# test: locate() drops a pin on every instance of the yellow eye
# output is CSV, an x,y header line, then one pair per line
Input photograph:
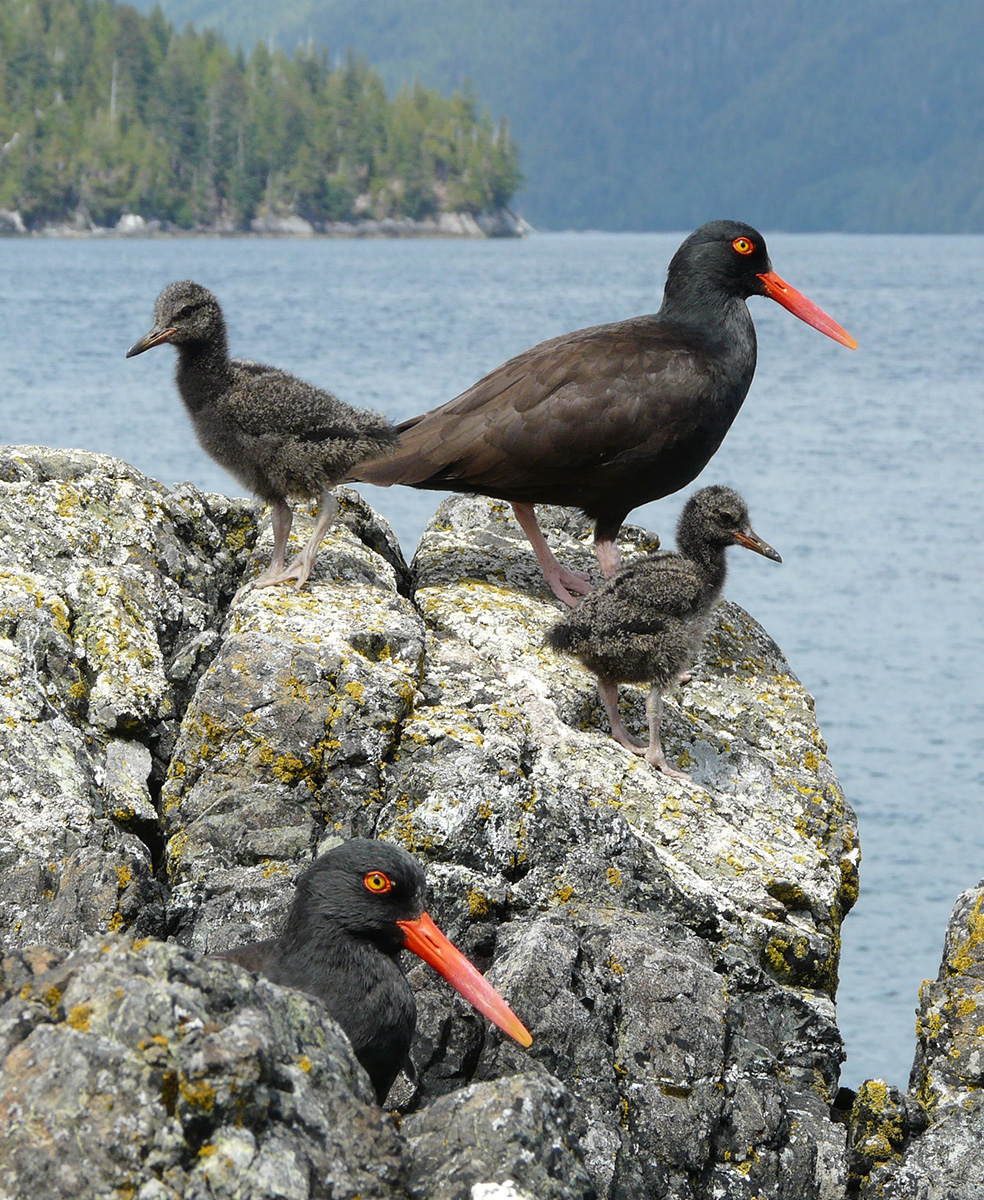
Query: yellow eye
x,y
742,245
377,882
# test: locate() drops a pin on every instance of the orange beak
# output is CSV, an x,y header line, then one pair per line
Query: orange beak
x,y
425,939
777,289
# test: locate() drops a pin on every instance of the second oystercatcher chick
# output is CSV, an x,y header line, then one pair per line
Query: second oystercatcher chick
x,y
645,624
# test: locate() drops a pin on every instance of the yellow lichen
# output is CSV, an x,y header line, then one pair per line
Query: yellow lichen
x,y
78,1017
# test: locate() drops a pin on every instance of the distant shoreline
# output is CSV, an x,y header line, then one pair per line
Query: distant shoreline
x,y
499,224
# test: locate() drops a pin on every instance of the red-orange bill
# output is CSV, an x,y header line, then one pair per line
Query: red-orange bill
x,y
425,939
777,289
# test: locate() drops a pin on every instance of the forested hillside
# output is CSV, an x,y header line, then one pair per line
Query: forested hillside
x,y
105,111
659,114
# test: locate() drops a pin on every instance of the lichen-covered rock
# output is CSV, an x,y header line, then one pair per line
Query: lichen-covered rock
x,y
135,1069
173,764
106,580
936,1151
513,1133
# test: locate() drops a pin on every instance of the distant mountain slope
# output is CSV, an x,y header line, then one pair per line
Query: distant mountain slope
x,y
847,114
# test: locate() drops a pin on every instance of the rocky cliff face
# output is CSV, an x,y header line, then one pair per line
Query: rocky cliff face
x,y
170,764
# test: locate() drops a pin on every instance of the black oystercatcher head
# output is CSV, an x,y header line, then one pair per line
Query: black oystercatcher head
x,y
718,516
185,312
732,257
375,891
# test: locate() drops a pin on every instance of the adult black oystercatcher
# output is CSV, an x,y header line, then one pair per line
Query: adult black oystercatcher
x,y
355,909
278,435
608,418
645,624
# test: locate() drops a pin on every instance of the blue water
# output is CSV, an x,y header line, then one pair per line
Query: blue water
x,y
862,468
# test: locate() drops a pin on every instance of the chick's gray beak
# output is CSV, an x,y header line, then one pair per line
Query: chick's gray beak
x,y
751,541
155,338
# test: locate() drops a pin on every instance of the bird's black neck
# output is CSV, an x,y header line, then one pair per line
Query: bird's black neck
x,y
326,941
710,314
709,559
204,370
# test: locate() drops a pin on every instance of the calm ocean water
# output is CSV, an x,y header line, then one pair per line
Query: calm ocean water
x,y
863,469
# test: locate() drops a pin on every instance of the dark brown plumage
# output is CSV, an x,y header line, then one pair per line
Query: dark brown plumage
x,y
607,418
645,624
355,909
279,436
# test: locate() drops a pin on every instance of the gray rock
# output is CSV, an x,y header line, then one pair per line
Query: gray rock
x,y
931,1139
11,222
673,946
132,1068
512,1135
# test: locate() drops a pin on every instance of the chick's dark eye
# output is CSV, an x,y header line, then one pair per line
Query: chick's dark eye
x,y
727,517
185,311
376,881
742,245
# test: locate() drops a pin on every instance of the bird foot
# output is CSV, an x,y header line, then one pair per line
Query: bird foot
x,y
630,743
563,582
659,762
684,677
298,570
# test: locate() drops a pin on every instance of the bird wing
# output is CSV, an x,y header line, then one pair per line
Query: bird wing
x,y
574,403
267,401
659,587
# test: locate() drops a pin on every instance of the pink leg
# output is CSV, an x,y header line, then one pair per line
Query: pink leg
x,y
281,518
560,580
654,755
303,564
606,551
609,697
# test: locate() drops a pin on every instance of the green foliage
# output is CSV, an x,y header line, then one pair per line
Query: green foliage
x,y
660,114
105,111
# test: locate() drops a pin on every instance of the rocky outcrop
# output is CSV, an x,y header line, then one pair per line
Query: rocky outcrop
x,y
499,223
170,765
134,1068
927,1145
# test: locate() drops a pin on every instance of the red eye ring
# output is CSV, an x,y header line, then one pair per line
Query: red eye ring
x,y
742,245
377,882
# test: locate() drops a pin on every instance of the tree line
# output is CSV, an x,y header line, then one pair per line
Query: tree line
x,y
105,111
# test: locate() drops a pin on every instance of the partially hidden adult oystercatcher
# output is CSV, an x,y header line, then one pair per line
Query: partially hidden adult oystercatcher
x,y
354,910
611,417
279,436
646,623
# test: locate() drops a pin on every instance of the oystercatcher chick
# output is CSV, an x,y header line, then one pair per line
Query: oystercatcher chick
x,y
354,910
645,624
611,417
279,436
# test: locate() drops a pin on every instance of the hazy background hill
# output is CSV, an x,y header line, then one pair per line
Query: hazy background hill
x,y
659,114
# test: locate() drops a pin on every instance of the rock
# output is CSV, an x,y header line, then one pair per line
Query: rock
x,y
935,1133
673,946
503,223
290,225
508,1138
139,1070
11,223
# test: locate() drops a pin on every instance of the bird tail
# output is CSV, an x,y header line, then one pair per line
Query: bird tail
x,y
417,458
566,637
